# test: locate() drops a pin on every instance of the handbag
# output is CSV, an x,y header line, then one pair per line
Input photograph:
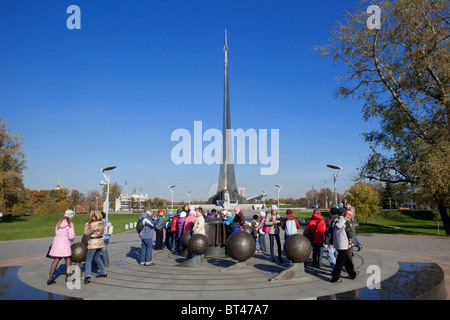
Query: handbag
x,y
311,236
48,252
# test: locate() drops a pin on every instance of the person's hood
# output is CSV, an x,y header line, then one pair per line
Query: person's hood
x,y
340,223
64,224
290,217
316,216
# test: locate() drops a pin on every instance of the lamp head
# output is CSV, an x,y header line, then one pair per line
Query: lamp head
x,y
108,168
334,167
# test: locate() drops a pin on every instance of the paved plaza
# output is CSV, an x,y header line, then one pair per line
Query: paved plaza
x,y
128,280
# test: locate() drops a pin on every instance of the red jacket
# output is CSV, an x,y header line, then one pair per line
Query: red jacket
x,y
319,229
173,226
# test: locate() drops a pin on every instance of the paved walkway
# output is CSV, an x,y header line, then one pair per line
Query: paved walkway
x,y
128,280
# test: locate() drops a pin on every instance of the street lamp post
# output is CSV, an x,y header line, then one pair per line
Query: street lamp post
x,y
189,197
263,196
107,186
279,188
170,188
335,176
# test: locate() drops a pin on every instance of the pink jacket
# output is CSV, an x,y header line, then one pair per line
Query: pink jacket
x,y
61,243
189,224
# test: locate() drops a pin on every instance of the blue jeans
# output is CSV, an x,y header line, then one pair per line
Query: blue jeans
x,y
105,253
357,243
94,254
146,250
174,241
317,254
332,254
262,242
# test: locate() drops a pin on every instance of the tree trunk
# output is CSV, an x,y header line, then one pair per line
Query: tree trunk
x,y
443,210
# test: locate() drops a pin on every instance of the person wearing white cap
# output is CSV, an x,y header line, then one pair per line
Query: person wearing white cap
x,y
261,233
64,235
180,229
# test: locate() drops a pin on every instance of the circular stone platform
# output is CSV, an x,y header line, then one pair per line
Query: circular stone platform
x,y
129,280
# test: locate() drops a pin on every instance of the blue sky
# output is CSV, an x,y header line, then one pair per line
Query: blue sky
x,y
113,92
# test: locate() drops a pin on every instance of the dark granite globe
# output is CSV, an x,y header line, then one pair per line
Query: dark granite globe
x,y
79,252
297,248
240,246
185,238
198,244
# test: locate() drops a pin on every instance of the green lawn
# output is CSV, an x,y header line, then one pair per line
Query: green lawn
x,y
30,227
389,221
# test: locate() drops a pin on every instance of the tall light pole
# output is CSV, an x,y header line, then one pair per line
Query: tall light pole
x,y
279,188
170,188
335,175
263,196
107,186
189,197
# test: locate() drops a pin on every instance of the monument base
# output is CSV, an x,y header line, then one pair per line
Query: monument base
x,y
295,271
184,253
238,266
194,262
216,252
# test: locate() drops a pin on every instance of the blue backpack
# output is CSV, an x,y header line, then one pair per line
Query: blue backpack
x,y
290,228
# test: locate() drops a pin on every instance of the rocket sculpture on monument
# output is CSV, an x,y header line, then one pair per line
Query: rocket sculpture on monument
x,y
226,188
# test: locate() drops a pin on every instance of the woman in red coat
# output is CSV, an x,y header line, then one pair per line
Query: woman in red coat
x,y
316,225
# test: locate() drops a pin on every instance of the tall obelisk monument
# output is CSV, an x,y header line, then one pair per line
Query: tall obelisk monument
x,y
226,188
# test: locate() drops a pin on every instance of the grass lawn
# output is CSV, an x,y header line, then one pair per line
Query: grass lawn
x,y
394,222
43,226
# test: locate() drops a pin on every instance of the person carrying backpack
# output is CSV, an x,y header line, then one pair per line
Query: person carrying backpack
x,y
316,226
290,224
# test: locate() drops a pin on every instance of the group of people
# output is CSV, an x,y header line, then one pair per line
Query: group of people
x,y
175,227
98,232
336,234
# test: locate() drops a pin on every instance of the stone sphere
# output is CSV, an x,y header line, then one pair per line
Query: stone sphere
x,y
247,228
79,252
85,239
240,246
185,238
297,248
198,244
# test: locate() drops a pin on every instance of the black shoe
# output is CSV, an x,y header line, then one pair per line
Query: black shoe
x,y
87,280
50,281
280,259
356,274
101,275
272,260
359,249
336,281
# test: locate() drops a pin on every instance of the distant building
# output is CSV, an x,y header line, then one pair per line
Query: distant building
x,y
130,202
242,191
57,186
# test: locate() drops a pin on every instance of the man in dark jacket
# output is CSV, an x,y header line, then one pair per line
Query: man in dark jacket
x,y
342,232
159,226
